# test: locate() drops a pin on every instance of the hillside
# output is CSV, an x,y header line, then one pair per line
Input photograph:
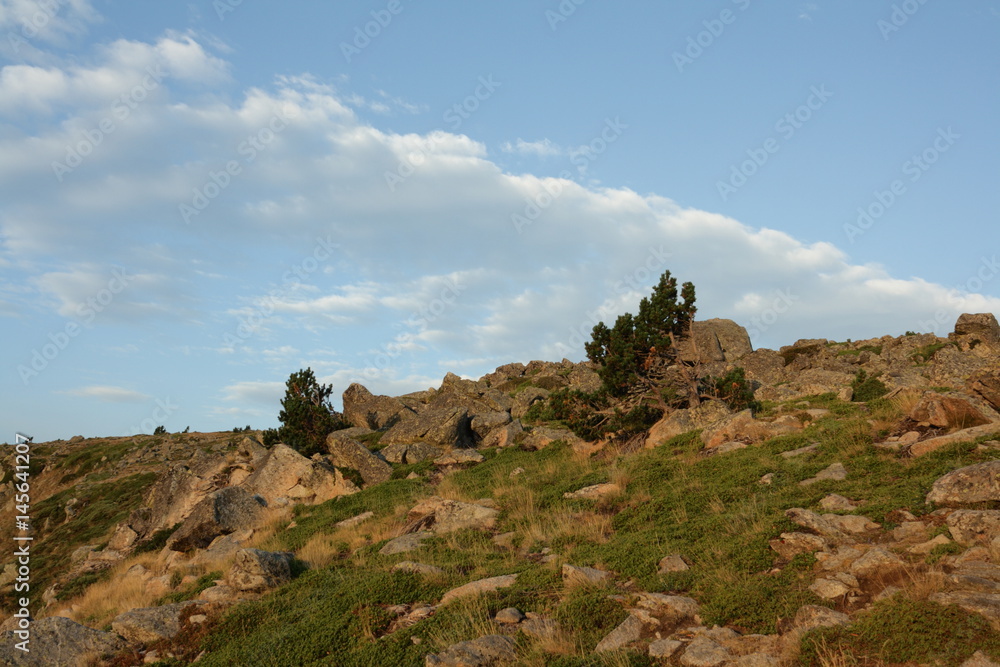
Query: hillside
x,y
851,516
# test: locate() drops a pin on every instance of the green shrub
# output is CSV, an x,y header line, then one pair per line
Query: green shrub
x,y
306,415
734,389
867,388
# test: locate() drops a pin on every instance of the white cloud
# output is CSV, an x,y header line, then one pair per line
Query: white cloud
x,y
108,394
542,148
255,392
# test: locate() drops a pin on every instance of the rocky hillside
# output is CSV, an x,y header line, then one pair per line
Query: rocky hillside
x,y
853,519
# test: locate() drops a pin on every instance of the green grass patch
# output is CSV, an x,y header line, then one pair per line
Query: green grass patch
x,y
204,582
900,630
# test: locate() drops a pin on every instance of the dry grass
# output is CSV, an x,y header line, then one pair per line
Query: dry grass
x,y
474,621
104,600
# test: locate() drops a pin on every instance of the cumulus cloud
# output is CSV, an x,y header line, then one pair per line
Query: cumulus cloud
x,y
533,262
108,394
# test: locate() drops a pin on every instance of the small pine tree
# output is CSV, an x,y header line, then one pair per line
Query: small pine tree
x,y
306,414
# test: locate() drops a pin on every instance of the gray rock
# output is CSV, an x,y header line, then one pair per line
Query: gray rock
x,y
628,631
404,543
226,511
790,545
483,423
972,527
703,652
410,452
256,570
972,484
444,427
835,471
815,522
837,503
525,398
57,642
416,568
984,604
151,624
479,587
509,616
593,492
355,520
541,437
446,516
362,409
814,616
459,457
672,563
347,452
285,473
583,576
540,628
875,562
983,326
664,648
486,651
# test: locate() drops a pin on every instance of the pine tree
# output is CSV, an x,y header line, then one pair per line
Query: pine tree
x,y
306,414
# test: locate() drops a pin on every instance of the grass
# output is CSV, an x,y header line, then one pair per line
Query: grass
x,y
923,355
903,630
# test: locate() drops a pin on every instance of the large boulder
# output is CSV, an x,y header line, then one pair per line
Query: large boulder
x,y
444,427
765,367
285,473
174,495
739,426
716,340
411,452
982,326
57,642
946,412
684,420
151,624
972,484
974,527
445,516
986,384
226,511
362,408
255,570
347,452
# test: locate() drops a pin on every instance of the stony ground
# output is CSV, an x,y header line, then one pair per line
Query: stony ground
x,y
853,520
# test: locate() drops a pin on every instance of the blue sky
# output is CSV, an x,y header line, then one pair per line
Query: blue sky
x,y
197,199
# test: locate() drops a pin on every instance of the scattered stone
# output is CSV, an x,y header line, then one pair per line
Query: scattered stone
x,y
483,652
829,589
725,448
664,648
876,561
445,516
703,652
219,593
509,616
541,437
835,471
812,616
256,570
984,604
347,452
151,624
226,511
479,587
627,632
673,607
354,520
979,659
583,576
815,522
977,483
971,527
515,472
928,546
808,449
404,543
837,503
672,563
458,457
851,524
767,479
58,642
593,492
416,568
790,545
